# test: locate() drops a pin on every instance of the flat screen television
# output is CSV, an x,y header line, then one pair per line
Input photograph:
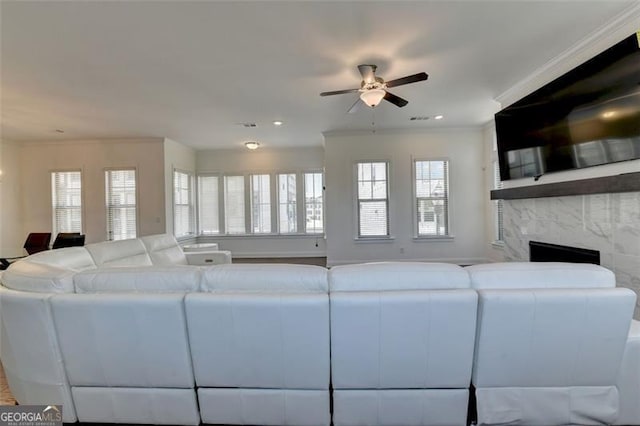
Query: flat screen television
x,y
587,117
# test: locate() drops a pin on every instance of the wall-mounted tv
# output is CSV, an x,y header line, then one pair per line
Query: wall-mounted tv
x,y
587,117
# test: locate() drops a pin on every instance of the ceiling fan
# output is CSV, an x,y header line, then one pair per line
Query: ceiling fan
x,y
374,89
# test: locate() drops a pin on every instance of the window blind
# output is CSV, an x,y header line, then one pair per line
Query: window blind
x,y
234,218
287,203
66,197
432,197
313,203
183,219
121,204
208,217
261,204
373,201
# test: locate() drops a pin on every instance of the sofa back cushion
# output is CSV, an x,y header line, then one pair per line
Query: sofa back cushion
x,y
123,340
49,271
526,275
265,278
551,338
119,253
139,279
164,250
397,276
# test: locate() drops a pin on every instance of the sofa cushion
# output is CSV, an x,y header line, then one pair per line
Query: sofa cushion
x,y
38,277
74,258
395,276
140,279
265,278
521,275
119,253
164,250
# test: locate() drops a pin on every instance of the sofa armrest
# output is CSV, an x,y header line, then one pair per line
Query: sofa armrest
x,y
629,379
204,258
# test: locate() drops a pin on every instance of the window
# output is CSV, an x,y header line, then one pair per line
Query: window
x,y
313,203
121,204
183,219
208,216
260,204
274,203
234,205
498,204
432,197
373,201
66,197
287,203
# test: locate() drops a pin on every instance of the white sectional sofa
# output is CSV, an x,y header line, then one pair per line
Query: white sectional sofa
x,y
128,332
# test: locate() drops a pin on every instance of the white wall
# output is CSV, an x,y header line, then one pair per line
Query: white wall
x,y
39,159
264,161
11,235
463,148
176,156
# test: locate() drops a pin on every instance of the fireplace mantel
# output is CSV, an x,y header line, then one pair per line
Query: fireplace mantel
x,y
626,182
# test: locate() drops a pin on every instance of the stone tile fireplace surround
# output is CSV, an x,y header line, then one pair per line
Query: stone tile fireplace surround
x,y
609,223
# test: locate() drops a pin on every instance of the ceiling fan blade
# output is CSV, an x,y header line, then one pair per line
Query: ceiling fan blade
x,y
339,92
368,73
408,79
356,106
396,100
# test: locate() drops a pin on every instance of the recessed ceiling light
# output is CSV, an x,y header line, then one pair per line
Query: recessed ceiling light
x,y
251,145
439,117
278,123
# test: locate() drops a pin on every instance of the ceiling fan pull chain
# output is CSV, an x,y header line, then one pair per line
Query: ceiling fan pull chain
x,y
373,120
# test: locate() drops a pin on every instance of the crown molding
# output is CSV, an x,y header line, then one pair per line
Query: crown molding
x,y
616,30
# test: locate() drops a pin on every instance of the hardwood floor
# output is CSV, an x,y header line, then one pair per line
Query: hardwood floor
x,y
318,261
5,394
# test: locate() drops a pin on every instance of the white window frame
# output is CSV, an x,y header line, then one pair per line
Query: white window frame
x,y
249,196
358,236
274,204
190,204
414,198
107,206
297,201
54,229
246,204
303,214
219,204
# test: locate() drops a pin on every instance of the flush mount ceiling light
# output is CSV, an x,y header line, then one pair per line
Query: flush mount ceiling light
x,y
251,145
278,123
372,97
438,117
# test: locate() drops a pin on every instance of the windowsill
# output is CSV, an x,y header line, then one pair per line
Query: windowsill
x,y
259,236
434,239
381,239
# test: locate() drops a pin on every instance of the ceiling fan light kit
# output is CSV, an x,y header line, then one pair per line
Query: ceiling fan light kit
x,y
372,97
374,89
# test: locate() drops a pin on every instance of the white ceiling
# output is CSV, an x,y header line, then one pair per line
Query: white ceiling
x,y
191,71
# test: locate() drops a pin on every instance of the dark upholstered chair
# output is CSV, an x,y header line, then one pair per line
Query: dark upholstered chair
x,y
35,243
68,239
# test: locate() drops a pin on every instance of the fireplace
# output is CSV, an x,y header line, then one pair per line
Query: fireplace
x,y
545,252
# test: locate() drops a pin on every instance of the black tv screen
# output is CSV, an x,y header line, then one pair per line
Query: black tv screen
x,y
587,117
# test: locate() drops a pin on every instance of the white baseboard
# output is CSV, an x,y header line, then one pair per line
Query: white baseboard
x,y
456,261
